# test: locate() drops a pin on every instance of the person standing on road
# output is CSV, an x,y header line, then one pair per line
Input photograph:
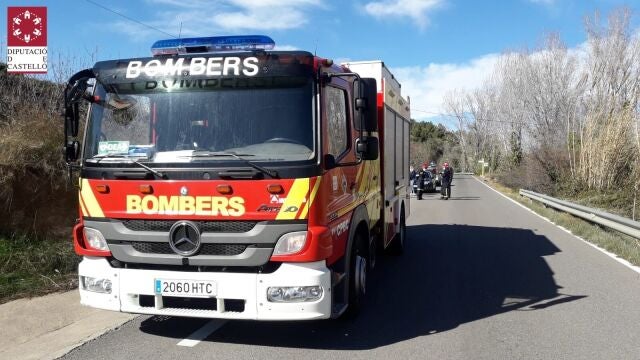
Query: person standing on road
x,y
412,178
420,179
447,177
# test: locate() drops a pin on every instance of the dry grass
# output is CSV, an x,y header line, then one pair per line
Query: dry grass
x,y
615,201
37,202
620,244
36,198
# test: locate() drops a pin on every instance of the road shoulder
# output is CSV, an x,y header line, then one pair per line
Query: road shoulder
x,y
595,246
48,327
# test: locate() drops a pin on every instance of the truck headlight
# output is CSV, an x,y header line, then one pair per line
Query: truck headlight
x,y
294,293
95,239
96,284
290,243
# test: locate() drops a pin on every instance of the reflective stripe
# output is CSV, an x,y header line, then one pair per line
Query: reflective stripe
x,y
82,207
354,205
365,181
294,200
90,201
359,173
305,209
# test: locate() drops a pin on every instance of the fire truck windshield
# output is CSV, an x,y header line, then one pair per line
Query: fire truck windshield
x,y
272,123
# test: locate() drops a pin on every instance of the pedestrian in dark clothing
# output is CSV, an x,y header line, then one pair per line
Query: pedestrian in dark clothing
x,y
447,177
420,179
412,177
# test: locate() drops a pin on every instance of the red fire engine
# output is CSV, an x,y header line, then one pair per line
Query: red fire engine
x,y
223,179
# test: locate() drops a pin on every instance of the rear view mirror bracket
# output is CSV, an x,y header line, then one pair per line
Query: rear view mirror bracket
x,y
74,93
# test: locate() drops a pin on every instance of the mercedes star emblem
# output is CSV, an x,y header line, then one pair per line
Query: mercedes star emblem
x,y
184,238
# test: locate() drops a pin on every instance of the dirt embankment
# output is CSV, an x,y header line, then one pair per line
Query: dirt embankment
x,y
36,197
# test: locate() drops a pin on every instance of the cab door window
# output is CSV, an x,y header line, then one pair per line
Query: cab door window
x,y
337,124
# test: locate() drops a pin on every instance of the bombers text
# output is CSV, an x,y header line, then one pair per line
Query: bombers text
x,y
185,205
213,66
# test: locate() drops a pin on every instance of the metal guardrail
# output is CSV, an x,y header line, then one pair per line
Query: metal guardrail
x,y
619,223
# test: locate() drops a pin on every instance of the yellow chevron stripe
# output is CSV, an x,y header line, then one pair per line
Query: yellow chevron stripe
x,y
82,208
359,173
367,188
307,206
354,205
366,177
294,199
93,207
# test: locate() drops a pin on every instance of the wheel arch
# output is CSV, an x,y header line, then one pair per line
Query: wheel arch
x,y
359,223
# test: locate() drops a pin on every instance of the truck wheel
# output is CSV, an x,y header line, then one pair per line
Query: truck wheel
x,y
397,244
373,254
357,276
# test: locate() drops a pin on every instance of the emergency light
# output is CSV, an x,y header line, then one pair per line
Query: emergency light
x,y
212,44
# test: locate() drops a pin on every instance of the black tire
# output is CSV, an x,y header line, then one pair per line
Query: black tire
x,y
373,254
397,244
357,276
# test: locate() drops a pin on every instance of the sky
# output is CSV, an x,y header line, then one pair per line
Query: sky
x,y
432,46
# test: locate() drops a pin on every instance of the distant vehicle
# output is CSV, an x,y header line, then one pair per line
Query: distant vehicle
x,y
432,185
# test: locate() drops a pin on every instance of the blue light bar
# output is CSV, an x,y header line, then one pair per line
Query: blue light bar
x,y
212,44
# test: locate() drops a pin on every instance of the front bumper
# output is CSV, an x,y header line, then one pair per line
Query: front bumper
x,y
130,285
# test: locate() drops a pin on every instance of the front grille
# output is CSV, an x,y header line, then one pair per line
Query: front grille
x,y
205,249
230,305
229,226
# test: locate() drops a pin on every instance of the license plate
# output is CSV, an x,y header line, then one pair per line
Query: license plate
x,y
185,288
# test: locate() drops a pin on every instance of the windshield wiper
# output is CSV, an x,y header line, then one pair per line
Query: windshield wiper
x,y
131,161
205,153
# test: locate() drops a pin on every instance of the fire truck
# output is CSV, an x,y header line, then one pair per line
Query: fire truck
x,y
220,178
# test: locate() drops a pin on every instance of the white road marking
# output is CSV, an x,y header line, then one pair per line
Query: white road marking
x,y
604,251
202,333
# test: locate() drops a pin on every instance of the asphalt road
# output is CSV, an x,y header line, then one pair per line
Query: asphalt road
x,y
482,278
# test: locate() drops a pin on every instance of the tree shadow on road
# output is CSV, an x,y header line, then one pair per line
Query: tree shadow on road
x,y
449,275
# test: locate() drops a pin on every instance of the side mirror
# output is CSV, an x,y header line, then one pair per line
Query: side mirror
x,y
368,148
366,105
71,151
